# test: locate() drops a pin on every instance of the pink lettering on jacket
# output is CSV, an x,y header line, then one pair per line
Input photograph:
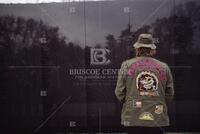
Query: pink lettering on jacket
x,y
147,65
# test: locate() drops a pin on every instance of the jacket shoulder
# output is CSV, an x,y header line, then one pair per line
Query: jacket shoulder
x,y
129,62
163,64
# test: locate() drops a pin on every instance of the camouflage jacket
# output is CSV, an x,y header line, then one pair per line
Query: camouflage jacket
x,y
144,85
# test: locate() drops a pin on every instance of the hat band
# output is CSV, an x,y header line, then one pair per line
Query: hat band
x,y
145,41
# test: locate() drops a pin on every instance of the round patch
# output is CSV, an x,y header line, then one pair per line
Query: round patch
x,y
147,83
159,109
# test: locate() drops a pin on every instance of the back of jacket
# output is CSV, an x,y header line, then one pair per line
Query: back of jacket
x,y
143,86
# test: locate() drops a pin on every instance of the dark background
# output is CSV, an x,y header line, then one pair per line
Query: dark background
x,y
37,50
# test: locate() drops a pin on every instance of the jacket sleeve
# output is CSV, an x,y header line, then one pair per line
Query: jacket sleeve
x,y
169,92
120,90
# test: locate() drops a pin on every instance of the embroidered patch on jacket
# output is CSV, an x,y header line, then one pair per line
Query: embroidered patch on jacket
x,y
147,83
137,104
159,109
146,116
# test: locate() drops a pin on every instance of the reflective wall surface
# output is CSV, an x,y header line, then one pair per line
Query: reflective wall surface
x,y
59,62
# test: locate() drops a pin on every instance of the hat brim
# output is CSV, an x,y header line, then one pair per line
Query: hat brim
x,y
139,45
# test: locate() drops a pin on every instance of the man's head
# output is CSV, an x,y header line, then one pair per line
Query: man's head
x,y
145,46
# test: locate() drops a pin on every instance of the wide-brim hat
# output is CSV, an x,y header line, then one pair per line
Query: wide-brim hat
x,y
145,40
